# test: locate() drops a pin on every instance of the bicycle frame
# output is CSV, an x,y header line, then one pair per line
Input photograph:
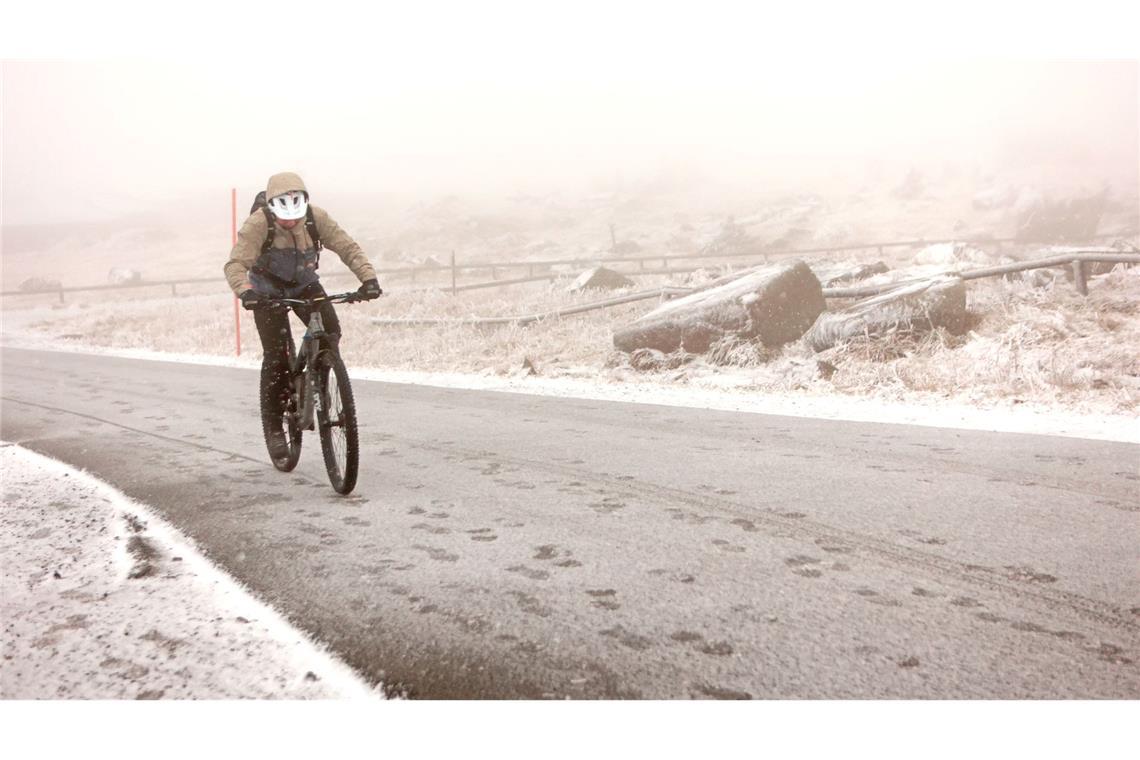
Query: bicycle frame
x,y
305,386
301,373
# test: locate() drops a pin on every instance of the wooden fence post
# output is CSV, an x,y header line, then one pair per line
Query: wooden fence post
x,y
233,241
1080,277
453,273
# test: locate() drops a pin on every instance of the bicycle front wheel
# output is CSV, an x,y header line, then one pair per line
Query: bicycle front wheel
x,y
336,419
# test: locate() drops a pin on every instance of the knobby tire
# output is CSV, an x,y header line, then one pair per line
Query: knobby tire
x,y
336,421
287,422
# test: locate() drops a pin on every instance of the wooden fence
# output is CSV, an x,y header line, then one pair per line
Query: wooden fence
x,y
540,270
1079,259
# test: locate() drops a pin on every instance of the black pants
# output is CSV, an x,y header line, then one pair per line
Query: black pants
x,y
276,338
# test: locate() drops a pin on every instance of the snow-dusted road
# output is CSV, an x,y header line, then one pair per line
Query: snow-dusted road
x,y
503,545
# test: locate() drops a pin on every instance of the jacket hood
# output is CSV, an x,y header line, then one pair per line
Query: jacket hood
x,y
284,183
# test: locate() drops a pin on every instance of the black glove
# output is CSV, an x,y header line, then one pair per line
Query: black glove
x,y
369,289
250,300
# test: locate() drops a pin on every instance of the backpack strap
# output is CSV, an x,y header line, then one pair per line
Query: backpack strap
x,y
268,230
311,227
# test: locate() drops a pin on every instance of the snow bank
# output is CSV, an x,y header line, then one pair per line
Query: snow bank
x,y
103,600
730,393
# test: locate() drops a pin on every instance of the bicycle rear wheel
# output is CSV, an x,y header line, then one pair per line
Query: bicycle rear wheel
x,y
286,423
336,420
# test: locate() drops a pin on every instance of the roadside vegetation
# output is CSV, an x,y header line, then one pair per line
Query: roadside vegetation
x,y
1033,339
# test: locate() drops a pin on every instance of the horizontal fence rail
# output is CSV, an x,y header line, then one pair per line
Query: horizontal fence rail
x,y
530,318
1077,258
645,265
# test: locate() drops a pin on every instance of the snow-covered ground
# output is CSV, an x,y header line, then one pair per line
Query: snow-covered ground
x,y
103,600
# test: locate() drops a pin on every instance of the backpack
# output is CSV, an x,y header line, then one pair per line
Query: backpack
x,y
259,202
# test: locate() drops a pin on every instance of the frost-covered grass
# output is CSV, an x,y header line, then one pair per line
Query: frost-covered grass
x,y
1045,344
1041,344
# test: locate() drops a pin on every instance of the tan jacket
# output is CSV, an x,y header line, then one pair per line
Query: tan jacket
x,y
252,234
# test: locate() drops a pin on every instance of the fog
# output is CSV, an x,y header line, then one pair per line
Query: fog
x,y
85,141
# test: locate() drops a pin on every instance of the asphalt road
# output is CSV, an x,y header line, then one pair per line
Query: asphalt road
x,y
511,546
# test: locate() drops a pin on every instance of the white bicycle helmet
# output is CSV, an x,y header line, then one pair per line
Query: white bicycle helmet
x,y
290,205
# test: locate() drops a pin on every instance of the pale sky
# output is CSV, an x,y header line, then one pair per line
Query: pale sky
x,y
92,140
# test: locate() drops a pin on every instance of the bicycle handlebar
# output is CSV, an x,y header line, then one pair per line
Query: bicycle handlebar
x,y
350,297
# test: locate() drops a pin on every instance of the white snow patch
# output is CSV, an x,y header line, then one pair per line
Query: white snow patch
x,y
723,396
76,625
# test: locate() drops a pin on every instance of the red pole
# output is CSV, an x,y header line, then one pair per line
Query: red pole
x,y
233,241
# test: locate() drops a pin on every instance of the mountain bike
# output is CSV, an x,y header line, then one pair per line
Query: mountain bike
x,y
320,397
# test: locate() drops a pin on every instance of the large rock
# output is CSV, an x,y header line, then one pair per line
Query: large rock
x,y
626,247
600,278
732,240
830,274
774,304
920,307
124,276
911,187
994,198
1072,220
953,254
40,284
794,237
650,359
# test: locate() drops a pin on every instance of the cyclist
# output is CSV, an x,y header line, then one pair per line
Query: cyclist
x,y
276,255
